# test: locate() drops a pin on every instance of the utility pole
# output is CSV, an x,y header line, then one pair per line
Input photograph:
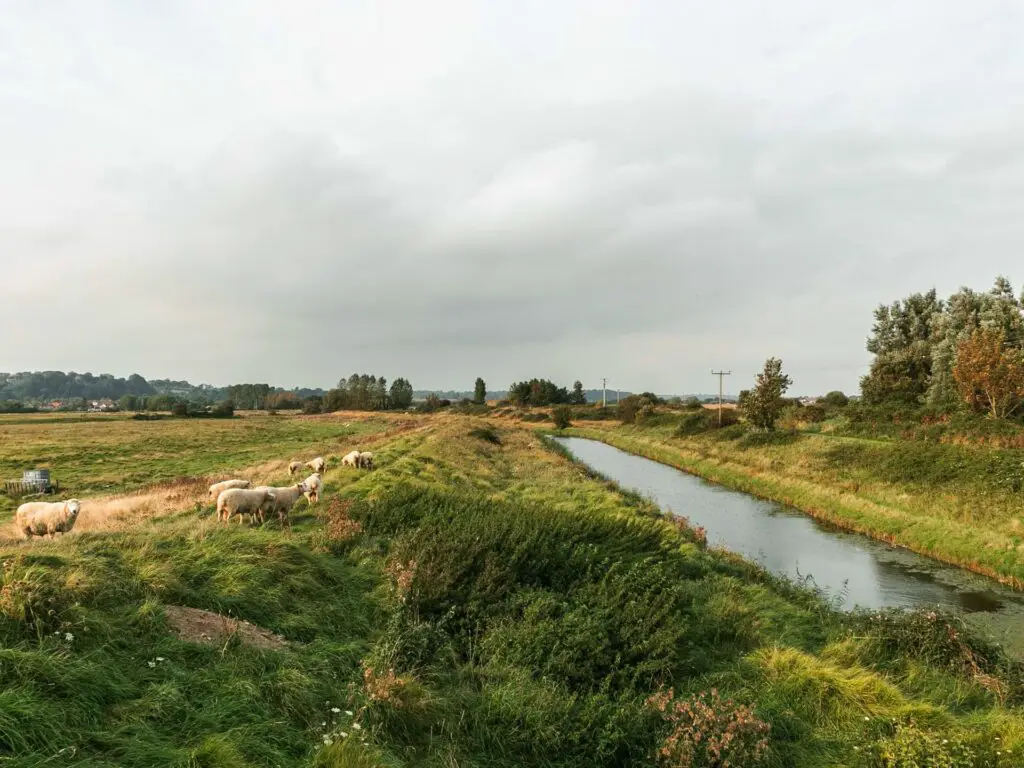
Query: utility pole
x,y
604,393
720,374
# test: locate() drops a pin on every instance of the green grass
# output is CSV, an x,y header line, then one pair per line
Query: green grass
x,y
93,454
473,602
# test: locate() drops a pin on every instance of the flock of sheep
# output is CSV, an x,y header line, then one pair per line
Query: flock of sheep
x,y
234,497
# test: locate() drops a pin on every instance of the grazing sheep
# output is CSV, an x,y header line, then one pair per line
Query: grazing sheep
x,y
241,502
317,464
314,484
350,459
365,460
217,488
284,499
294,466
46,518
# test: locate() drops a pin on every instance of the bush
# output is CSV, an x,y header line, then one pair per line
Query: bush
x,y
704,420
179,409
223,410
706,731
635,409
562,416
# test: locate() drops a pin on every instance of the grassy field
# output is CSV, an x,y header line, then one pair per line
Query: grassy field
x,y
93,454
962,504
477,600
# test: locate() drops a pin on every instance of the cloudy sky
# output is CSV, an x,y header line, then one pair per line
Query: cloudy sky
x,y
643,190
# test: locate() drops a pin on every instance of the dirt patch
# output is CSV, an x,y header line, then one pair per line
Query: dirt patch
x,y
196,626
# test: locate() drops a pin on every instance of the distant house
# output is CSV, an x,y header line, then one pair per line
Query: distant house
x,y
807,400
103,405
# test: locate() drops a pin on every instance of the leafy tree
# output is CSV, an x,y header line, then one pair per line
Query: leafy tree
x,y
764,403
537,392
128,403
401,394
480,392
901,377
988,374
562,416
577,396
836,399
312,404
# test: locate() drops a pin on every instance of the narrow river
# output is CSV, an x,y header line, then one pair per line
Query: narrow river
x,y
854,570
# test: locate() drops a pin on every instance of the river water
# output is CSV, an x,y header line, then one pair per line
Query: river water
x,y
854,570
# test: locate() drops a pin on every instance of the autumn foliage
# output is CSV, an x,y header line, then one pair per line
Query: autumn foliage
x,y
707,731
989,375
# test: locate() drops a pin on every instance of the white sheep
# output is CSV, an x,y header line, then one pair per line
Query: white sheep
x,y
217,488
241,502
350,459
314,484
284,499
366,460
46,518
294,466
317,464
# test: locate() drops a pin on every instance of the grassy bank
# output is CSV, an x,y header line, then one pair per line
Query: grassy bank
x,y
959,504
476,600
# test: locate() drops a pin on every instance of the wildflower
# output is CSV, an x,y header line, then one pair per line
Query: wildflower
x,y
866,718
160,658
335,710
348,712
151,664
68,636
328,741
357,726
324,723
343,734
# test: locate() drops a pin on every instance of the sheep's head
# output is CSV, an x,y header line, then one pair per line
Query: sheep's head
x,y
73,506
303,487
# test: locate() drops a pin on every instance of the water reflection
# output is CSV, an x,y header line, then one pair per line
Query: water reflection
x,y
853,570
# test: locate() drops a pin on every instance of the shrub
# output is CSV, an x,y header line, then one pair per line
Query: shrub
x,y
696,422
179,409
223,410
562,416
706,731
635,409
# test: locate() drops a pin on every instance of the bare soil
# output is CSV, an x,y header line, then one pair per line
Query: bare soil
x,y
197,626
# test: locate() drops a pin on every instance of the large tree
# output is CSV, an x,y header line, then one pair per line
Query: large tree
x,y
480,391
401,393
989,374
577,396
763,405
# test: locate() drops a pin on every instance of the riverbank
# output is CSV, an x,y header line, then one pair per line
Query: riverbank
x,y
477,599
958,504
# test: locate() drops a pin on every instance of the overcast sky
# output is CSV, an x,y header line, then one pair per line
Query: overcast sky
x,y
289,192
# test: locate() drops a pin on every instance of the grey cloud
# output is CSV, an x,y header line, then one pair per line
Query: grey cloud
x,y
492,214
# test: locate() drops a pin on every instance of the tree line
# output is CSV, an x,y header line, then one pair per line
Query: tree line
x,y
964,352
